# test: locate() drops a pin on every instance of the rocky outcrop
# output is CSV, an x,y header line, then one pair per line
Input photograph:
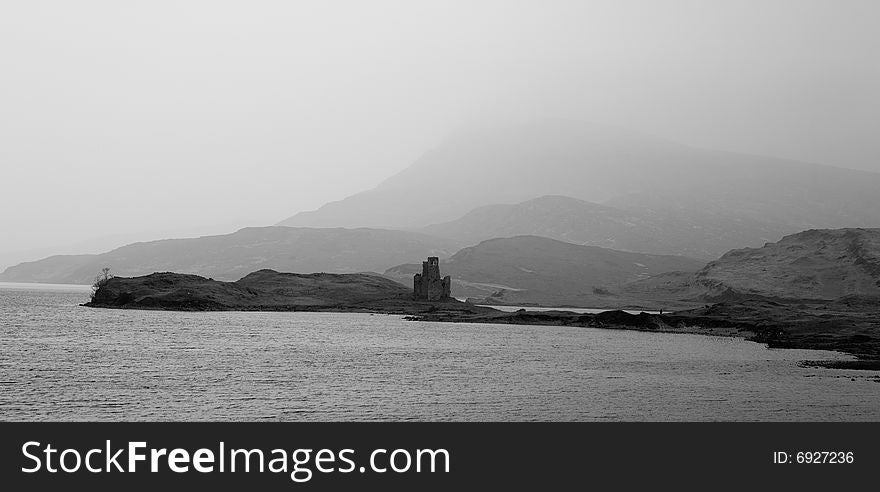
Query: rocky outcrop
x,y
267,290
813,265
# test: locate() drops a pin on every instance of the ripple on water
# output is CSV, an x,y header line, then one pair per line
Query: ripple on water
x,y
60,361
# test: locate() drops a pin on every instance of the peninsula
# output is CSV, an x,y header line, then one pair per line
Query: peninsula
x,y
846,325
268,290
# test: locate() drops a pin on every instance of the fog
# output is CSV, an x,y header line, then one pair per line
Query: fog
x,y
124,120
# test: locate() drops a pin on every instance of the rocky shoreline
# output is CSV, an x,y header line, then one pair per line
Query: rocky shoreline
x,y
848,325
268,290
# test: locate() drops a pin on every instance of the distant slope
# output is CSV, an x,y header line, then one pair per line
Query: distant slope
x,y
814,264
531,269
744,196
59,269
783,193
232,256
581,222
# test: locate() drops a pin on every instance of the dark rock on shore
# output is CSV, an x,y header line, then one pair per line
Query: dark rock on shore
x,y
852,327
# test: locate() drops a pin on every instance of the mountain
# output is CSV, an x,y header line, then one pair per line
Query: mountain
x,y
539,270
810,265
581,222
744,197
231,256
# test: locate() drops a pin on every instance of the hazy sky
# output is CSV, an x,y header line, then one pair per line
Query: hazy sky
x,y
157,117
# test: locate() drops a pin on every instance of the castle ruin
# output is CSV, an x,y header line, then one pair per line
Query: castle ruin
x,y
428,286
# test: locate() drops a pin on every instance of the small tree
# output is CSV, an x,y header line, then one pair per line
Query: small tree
x,y
101,280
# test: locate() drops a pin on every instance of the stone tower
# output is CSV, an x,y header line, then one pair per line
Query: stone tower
x,y
428,286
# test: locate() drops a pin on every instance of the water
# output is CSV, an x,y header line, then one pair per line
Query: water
x,y
60,361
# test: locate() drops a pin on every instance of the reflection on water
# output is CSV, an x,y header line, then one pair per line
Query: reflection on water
x,y
62,361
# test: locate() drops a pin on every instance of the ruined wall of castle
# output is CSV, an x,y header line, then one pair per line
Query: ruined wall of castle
x,y
428,285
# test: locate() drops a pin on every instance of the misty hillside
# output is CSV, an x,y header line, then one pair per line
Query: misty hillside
x,y
581,222
760,197
814,264
790,197
232,256
531,269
